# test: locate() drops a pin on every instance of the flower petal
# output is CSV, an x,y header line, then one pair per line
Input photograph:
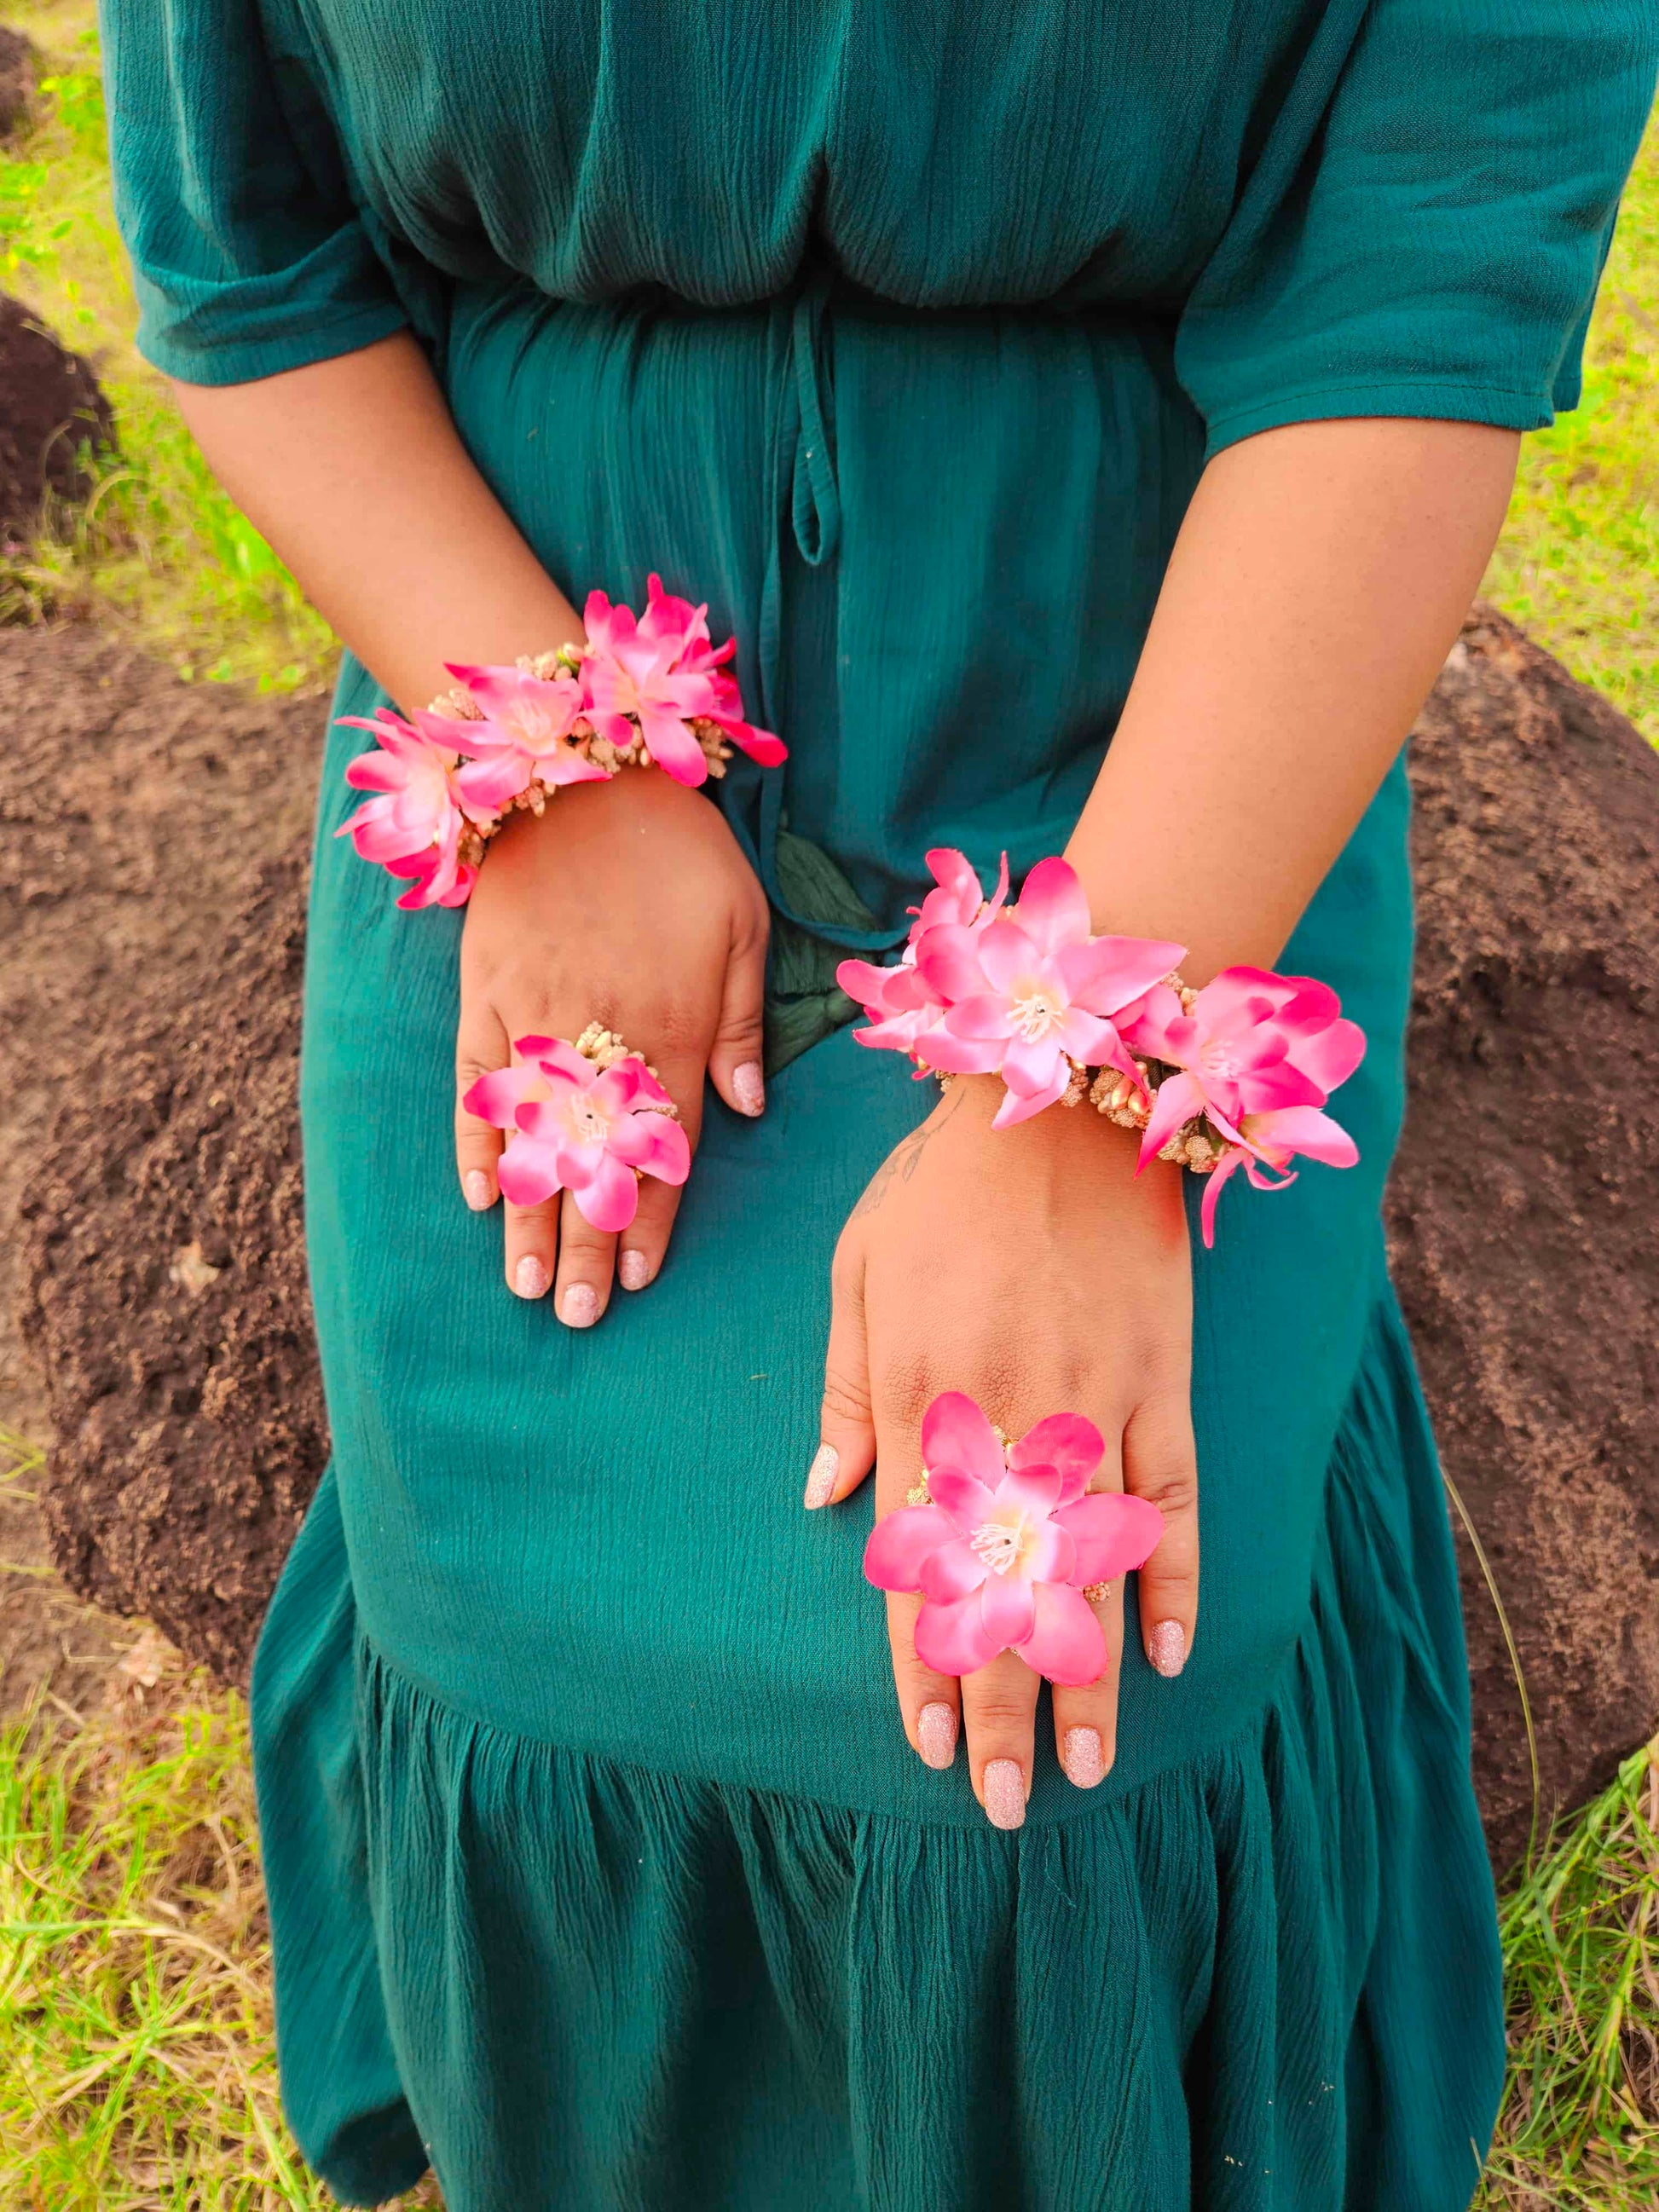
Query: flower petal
x,y
672,745
967,1500
1066,1441
1005,1604
955,1433
953,1570
1214,1183
1111,972
1303,1129
1052,907
1033,1490
529,1171
497,1096
901,1543
952,1639
1113,1532
1066,1643
1007,955
611,1197
947,958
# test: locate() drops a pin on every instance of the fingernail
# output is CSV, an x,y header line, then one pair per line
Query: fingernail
x,y
633,1271
821,1475
530,1278
580,1306
1166,1647
1083,1758
475,1186
936,1733
1004,1794
749,1086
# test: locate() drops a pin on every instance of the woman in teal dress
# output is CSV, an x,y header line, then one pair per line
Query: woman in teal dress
x,y
974,363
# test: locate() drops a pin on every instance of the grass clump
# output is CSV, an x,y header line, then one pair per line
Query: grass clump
x,y
137,2064
158,550
1579,2128
1580,552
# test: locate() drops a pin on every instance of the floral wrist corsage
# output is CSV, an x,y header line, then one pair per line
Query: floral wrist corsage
x,y
654,692
1235,1075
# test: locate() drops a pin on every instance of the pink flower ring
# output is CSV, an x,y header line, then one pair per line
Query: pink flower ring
x,y
1008,1543
576,1127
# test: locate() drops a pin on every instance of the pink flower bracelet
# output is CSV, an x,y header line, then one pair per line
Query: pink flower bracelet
x,y
1235,1075
651,692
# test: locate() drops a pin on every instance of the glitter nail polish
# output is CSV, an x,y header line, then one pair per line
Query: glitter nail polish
x,y
1083,1758
633,1271
530,1278
749,1086
579,1307
821,1475
1004,1794
936,1734
1166,1647
475,1188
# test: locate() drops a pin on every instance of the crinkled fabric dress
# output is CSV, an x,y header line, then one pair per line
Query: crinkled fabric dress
x,y
600,1874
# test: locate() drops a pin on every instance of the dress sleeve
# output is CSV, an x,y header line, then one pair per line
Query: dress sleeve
x,y
1424,228
232,197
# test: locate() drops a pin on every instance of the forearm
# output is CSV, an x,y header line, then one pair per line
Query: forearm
x,y
1319,580
354,470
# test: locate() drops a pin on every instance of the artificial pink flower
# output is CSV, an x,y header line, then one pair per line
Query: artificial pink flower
x,y
902,1006
413,829
663,672
1003,1555
1272,1140
1032,996
526,734
1257,1055
579,1127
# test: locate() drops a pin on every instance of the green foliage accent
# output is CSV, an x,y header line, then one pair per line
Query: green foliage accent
x,y
137,2072
1578,565
158,550
1579,2129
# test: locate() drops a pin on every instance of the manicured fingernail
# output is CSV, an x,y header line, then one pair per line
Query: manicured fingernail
x,y
580,1307
1004,1794
1166,1647
475,1186
749,1086
633,1271
936,1733
530,1278
1083,1758
821,1475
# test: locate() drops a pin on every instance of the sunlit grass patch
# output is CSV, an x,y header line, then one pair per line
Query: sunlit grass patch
x,y
136,2068
1578,565
1579,2129
159,549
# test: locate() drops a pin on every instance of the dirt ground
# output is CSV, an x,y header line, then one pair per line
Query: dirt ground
x,y
132,817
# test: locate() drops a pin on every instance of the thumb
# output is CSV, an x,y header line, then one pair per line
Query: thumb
x,y
735,1065
847,1427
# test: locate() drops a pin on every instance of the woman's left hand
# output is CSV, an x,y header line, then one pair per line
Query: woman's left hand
x,y
1031,1268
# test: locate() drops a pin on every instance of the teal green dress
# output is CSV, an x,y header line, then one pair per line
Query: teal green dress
x,y
900,331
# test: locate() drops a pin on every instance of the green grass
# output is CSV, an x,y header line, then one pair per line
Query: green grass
x,y
159,551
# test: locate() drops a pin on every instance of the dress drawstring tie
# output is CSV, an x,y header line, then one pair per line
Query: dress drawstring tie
x,y
805,503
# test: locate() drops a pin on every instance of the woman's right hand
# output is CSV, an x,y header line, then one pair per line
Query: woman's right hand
x,y
630,904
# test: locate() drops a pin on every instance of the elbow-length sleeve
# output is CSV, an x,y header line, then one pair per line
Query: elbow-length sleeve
x,y
232,197
1424,227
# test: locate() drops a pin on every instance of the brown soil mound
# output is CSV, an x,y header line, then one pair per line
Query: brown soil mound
x,y
50,409
1522,1212
18,72
186,1404
131,810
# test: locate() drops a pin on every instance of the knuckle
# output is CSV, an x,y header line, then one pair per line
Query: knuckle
x,y
1171,1484
1000,1712
845,1398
